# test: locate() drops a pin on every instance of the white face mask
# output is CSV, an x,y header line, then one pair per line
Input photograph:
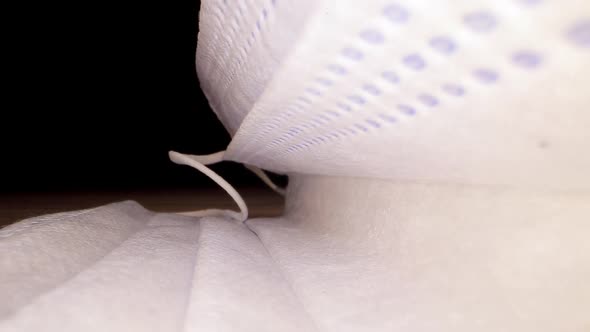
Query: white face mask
x,y
447,93
469,92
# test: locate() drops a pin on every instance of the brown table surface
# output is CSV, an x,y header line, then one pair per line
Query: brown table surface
x,y
18,206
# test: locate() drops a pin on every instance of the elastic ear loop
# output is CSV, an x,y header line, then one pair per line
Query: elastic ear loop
x,y
262,175
198,162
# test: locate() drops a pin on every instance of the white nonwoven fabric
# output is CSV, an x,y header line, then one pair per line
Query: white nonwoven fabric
x,y
349,255
447,146
374,255
123,268
464,92
233,44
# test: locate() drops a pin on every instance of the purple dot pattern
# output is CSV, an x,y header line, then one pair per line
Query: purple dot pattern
x,y
526,59
485,75
443,45
579,33
351,131
237,24
407,110
390,77
373,123
313,91
337,69
530,2
414,61
357,99
388,118
361,127
428,100
371,89
372,36
352,53
325,81
396,14
453,89
480,21
344,107
333,113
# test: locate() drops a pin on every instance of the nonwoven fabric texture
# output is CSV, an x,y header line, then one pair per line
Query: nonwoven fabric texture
x,y
463,92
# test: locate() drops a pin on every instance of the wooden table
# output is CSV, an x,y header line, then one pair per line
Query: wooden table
x,y
17,206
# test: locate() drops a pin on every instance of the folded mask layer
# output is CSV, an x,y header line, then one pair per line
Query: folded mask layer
x,y
476,92
375,255
122,268
349,255
240,47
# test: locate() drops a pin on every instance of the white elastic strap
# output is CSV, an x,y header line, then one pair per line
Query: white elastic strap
x,y
264,177
199,162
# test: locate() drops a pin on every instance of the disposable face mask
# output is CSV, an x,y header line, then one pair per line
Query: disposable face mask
x,y
438,181
464,92
456,92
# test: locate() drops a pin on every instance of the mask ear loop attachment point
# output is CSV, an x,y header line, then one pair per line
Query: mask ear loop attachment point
x,y
264,177
199,162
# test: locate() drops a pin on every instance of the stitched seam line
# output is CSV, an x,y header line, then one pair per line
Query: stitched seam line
x,y
189,297
289,283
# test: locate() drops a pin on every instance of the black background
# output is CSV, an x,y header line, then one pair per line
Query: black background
x,y
98,92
